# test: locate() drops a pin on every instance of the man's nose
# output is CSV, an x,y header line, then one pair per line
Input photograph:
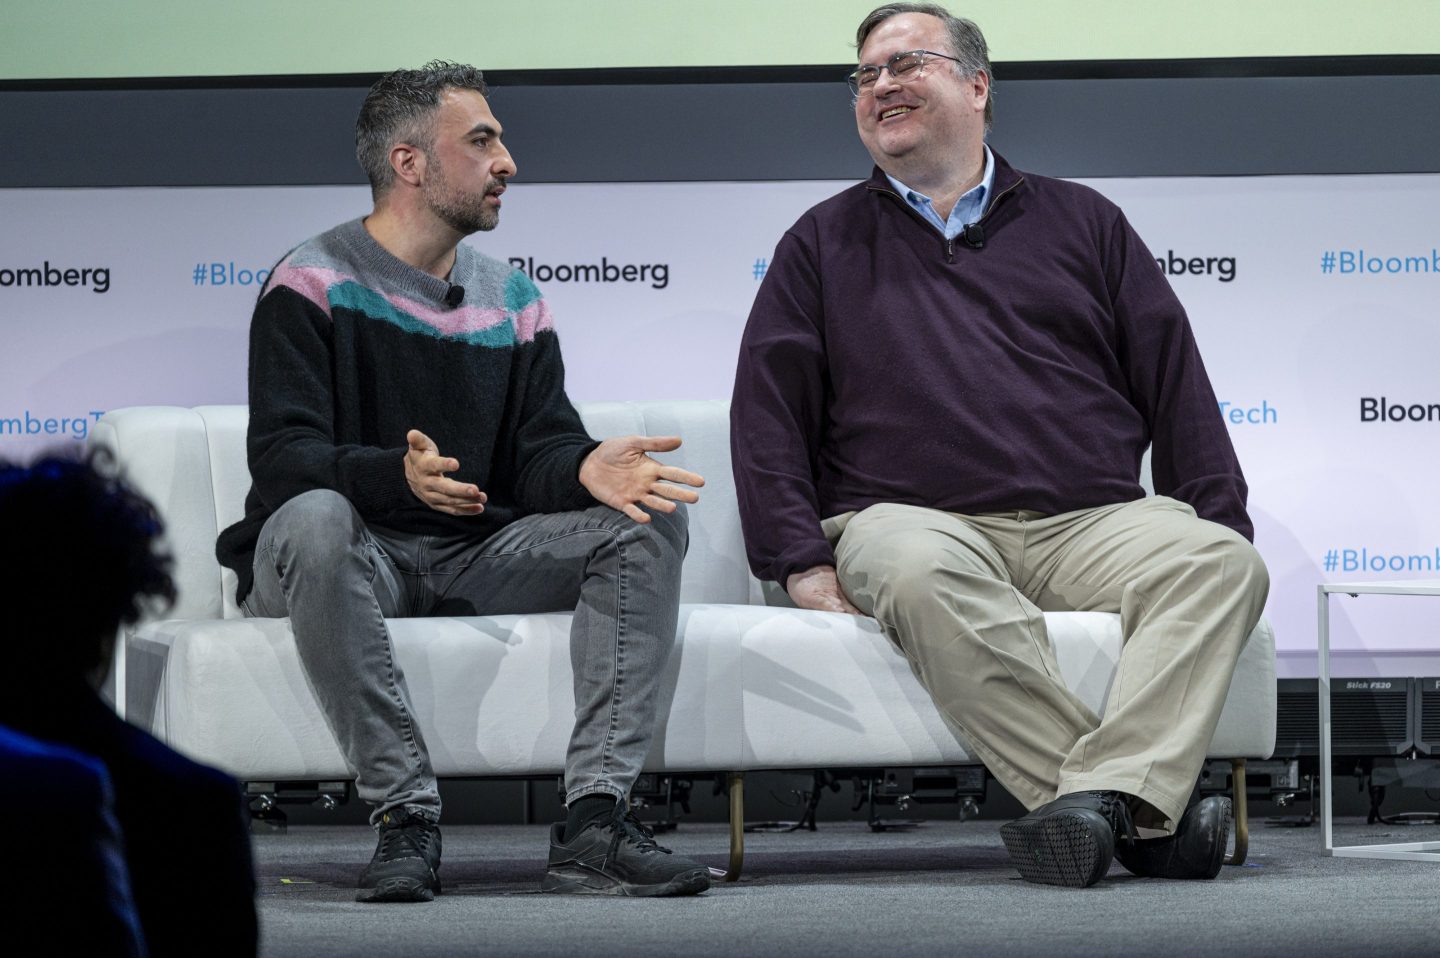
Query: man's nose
x,y
505,165
885,83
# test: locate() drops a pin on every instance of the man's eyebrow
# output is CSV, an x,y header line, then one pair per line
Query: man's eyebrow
x,y
483,128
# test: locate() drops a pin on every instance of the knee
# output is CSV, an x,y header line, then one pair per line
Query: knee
x,y
892,570
880,543
653,552
667,533
1235,563
872,542
316,527
1251,567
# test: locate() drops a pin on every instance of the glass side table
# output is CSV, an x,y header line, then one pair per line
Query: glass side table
x,y
1411,851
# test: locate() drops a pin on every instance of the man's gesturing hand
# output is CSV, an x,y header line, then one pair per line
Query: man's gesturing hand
x,y
818,588
620,474
425,470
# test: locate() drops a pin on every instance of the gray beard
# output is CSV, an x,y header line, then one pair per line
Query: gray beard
x,y
467,215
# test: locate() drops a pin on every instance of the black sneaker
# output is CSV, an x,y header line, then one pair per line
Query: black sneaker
x,y
406,862
618,855
1069,841
1196,850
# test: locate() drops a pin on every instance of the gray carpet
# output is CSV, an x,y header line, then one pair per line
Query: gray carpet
x,y
944,889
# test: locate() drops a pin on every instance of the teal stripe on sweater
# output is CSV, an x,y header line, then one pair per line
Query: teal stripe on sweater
x,y
360,299
519,292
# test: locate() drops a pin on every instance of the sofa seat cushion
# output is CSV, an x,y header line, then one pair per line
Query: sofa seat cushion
x,y
749,687
492,694
827,690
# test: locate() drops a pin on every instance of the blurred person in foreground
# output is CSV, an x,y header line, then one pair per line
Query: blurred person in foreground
x,y
92,562
75,896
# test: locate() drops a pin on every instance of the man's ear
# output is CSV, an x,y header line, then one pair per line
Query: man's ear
x,y
408,162
980,88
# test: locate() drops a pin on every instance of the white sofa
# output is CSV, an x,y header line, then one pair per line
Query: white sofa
x,y
750,686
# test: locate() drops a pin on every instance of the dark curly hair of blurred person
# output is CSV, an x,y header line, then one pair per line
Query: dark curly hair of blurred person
x,y
82,555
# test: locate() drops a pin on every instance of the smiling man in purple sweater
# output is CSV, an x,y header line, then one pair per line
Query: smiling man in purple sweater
x,y
945,388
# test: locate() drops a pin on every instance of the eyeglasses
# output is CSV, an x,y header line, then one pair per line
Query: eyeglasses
x,y
904,67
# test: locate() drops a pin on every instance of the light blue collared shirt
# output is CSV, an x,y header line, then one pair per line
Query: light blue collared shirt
x,y
968,208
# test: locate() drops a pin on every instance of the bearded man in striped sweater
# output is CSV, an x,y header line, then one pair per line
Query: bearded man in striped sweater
x,y
413,452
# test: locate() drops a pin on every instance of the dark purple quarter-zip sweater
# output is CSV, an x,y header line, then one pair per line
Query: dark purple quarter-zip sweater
x,y
884,363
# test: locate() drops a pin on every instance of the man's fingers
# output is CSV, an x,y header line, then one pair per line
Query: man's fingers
x,y
427,456
842,601
657,504
831,602
437,500
473,509
819,588
657,443
433,465
676,474
450,489
818,603
635,512
674,492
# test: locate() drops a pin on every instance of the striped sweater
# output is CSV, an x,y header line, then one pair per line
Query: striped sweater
x,y
350,348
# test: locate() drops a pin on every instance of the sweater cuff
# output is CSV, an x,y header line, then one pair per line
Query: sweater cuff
x,y
380,487
580,497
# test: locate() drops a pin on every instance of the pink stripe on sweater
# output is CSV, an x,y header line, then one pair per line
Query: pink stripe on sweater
x,y
309,281
533,319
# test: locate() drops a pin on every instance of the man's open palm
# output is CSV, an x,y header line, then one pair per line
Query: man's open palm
x,y
620,473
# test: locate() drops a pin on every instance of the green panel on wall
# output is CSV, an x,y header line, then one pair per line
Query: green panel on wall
x,y
56,39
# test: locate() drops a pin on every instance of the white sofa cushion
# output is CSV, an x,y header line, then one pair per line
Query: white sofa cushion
x,y
750,686
829,690
493,695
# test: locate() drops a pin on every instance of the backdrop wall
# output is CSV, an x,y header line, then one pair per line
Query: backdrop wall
x,y
1312,296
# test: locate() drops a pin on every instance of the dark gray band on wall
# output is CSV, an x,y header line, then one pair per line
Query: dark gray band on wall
x,y
615,131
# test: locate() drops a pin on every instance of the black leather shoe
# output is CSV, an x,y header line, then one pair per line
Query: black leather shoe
x,y
1196,850
1068,841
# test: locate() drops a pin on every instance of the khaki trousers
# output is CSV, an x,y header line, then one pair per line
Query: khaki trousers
x,y
963,597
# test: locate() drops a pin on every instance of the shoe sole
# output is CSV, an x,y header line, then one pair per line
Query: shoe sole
x,y
1071,849
399,889
579,881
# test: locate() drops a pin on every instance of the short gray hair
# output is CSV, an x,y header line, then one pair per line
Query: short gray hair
x,y
400,108
967,43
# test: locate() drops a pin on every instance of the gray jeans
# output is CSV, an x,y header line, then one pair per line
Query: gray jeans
x,y
338,580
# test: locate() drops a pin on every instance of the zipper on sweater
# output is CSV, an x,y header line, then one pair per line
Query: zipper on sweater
x,y
909,211
990,207
949,241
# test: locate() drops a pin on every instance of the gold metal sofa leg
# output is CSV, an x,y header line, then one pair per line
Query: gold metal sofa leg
x,y
737,825
1242,815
